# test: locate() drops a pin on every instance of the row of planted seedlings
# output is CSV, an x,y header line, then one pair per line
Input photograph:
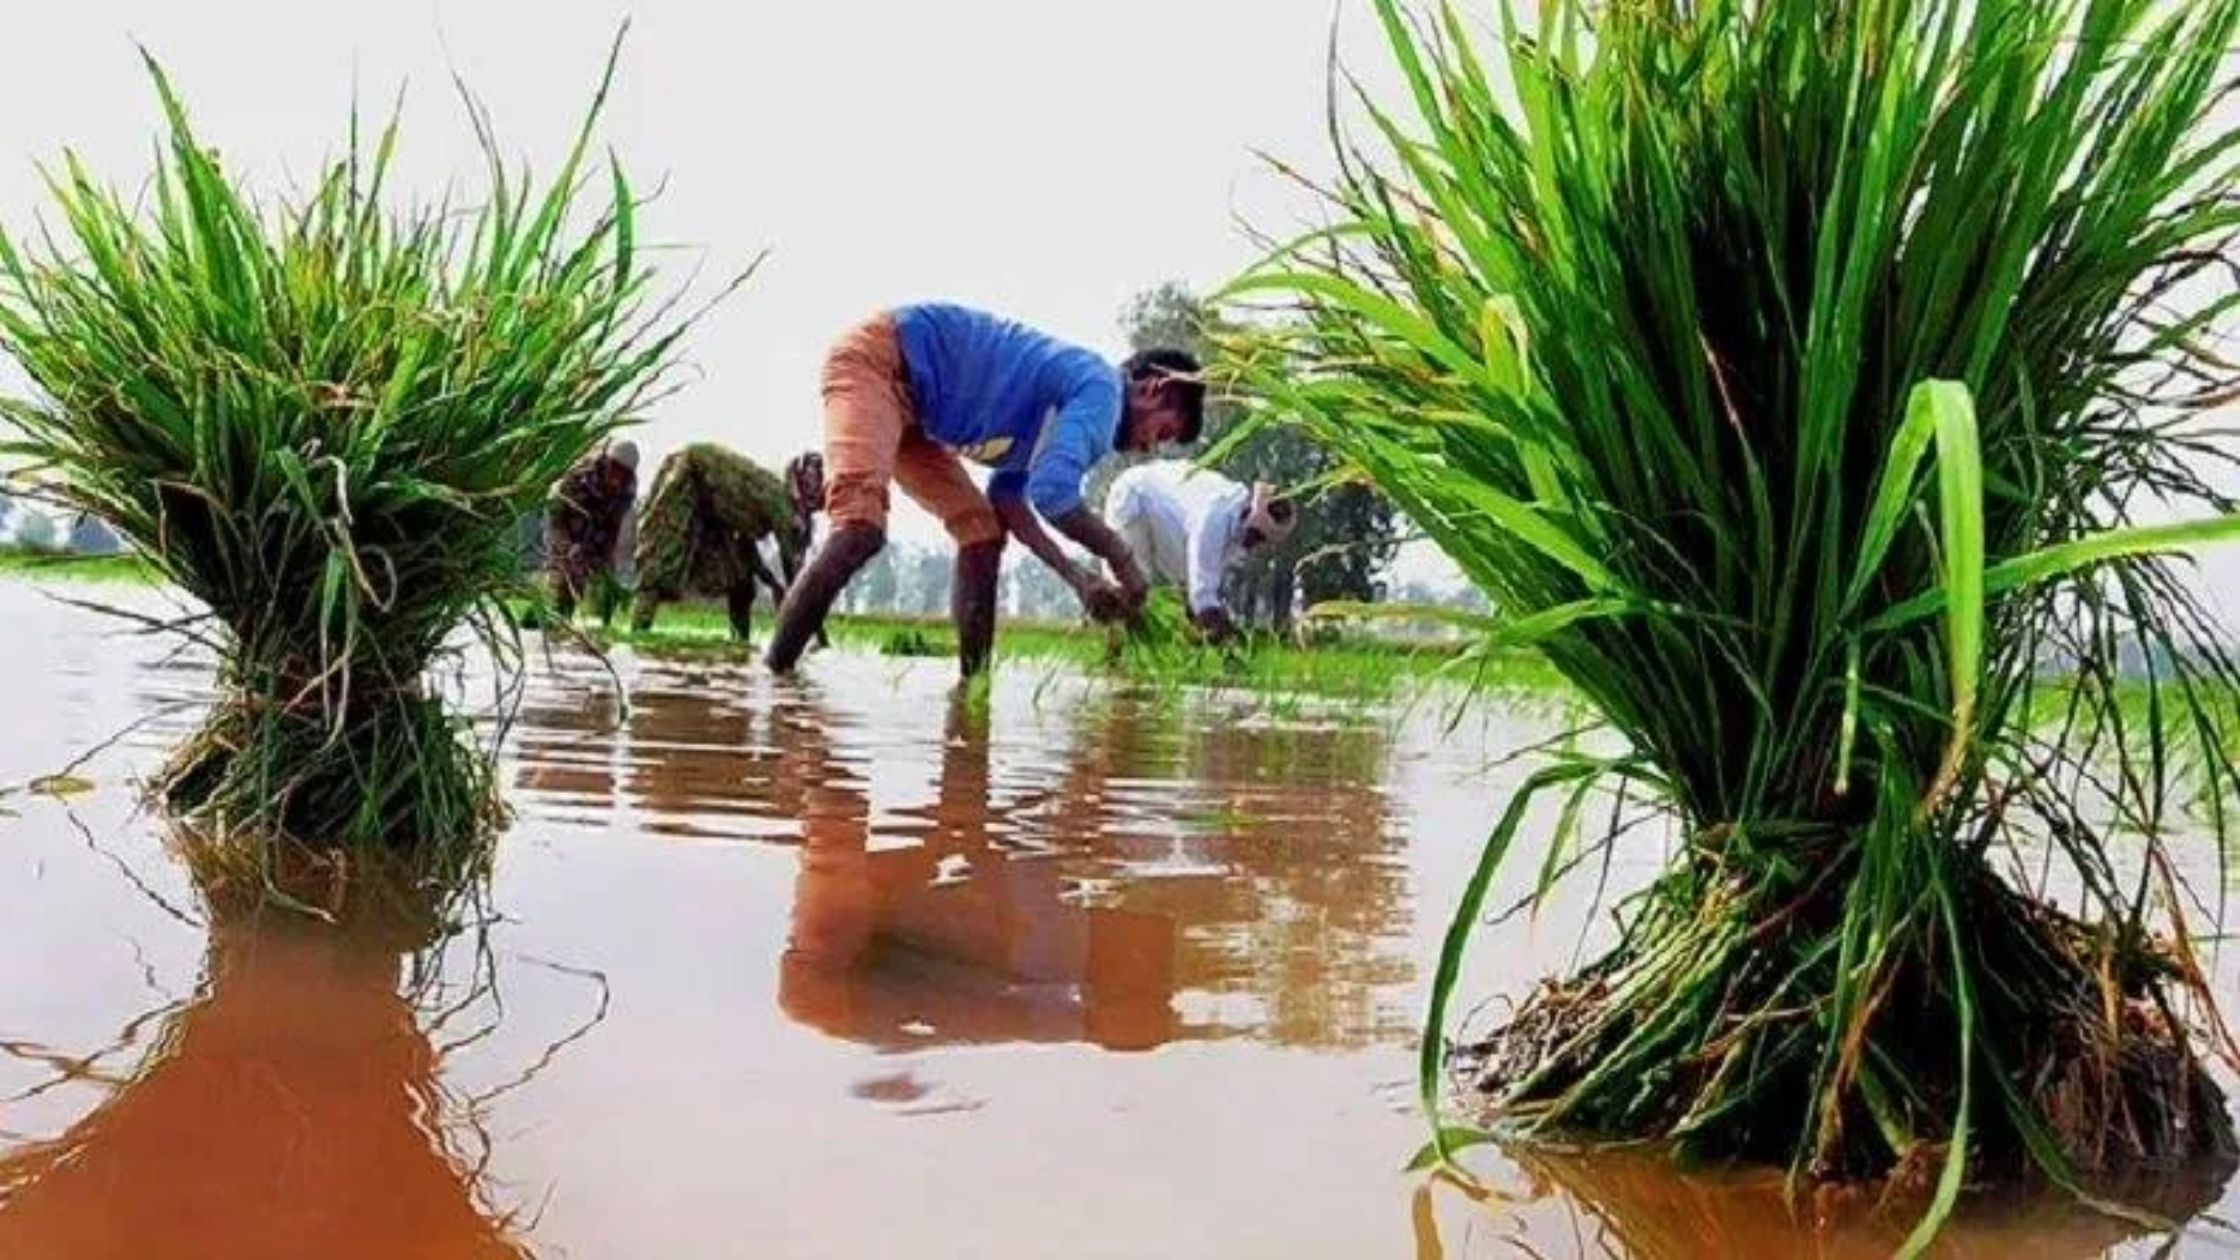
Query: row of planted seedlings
x,y
1826,388
321,418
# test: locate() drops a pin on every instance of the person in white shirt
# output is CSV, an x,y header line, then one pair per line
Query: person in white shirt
x,y
1189,525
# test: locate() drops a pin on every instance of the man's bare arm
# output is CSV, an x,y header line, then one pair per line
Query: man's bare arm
x,y
1086,528
1104,603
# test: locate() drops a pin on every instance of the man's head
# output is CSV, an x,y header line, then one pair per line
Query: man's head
x,y
1166,400
1269,518
621,464
805,482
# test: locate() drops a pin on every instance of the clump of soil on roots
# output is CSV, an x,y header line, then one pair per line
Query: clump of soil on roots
x,y
2080,1047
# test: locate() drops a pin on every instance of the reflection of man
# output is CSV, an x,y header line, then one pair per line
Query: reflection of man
x,y
1189,526
954,940
292,1110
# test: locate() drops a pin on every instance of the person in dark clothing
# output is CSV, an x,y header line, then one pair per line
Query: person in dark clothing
x,y
583,522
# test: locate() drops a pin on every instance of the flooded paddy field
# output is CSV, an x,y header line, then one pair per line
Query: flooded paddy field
x,y
831,967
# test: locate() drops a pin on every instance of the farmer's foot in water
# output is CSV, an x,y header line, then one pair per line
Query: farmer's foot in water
x,y
811,597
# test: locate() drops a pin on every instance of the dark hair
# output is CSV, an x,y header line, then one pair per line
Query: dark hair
x,y
799,470
1181,371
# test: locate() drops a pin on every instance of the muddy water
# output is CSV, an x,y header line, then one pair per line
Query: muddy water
x,y
835,967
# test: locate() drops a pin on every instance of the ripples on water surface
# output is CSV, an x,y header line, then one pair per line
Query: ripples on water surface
x,y
816,968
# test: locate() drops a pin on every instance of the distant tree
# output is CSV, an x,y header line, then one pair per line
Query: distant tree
x,y
1032,591
1348,534
91,536
35,530
926,577
1460,596
874,589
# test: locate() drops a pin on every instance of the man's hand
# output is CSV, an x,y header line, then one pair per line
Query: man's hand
x,y
1215,625
1098,538
1133,586
1107,604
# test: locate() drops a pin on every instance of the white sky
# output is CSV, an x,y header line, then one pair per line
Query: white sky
x,y
1044,159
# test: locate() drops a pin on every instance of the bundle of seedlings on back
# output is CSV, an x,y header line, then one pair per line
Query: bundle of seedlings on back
x,y
322,420
1798,374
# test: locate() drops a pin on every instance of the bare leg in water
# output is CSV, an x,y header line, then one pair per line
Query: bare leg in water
x,y
972,604
739,603
644,607
844,554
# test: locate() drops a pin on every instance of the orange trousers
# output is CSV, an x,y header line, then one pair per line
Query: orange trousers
x,y
872,438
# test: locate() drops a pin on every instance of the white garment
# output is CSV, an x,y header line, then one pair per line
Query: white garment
x,y
1184,523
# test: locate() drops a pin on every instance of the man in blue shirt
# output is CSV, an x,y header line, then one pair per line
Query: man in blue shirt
x,y
911,393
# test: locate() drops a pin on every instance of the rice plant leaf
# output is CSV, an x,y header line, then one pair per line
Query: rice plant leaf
x,y
1431,1055
1954,1174
1893,498
1507,342
1508,345
2066,559
1537,529
1383,313
59,786
625,222
1848,740
1960,511
1452,1140
1560,842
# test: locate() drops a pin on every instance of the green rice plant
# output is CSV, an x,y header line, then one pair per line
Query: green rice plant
x,y
911,641
1156,639
322,418
1806,380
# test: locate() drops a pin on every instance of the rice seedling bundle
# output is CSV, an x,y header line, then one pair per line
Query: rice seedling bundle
x,y
1816,383
322,418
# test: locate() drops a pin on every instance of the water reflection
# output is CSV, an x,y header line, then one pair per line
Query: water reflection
x,y
292,1107
1108,868
564,738
787,888
1154,879
1635,1203
699,752
953,939
1298,919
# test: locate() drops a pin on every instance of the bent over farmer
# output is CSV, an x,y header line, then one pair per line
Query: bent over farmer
x,y
583,523
1189,526
910,394
708,512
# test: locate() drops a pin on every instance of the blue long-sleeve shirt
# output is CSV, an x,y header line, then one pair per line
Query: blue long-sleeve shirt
x,y
1037,410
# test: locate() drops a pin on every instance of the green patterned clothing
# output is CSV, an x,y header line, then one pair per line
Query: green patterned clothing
x,y
708,508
